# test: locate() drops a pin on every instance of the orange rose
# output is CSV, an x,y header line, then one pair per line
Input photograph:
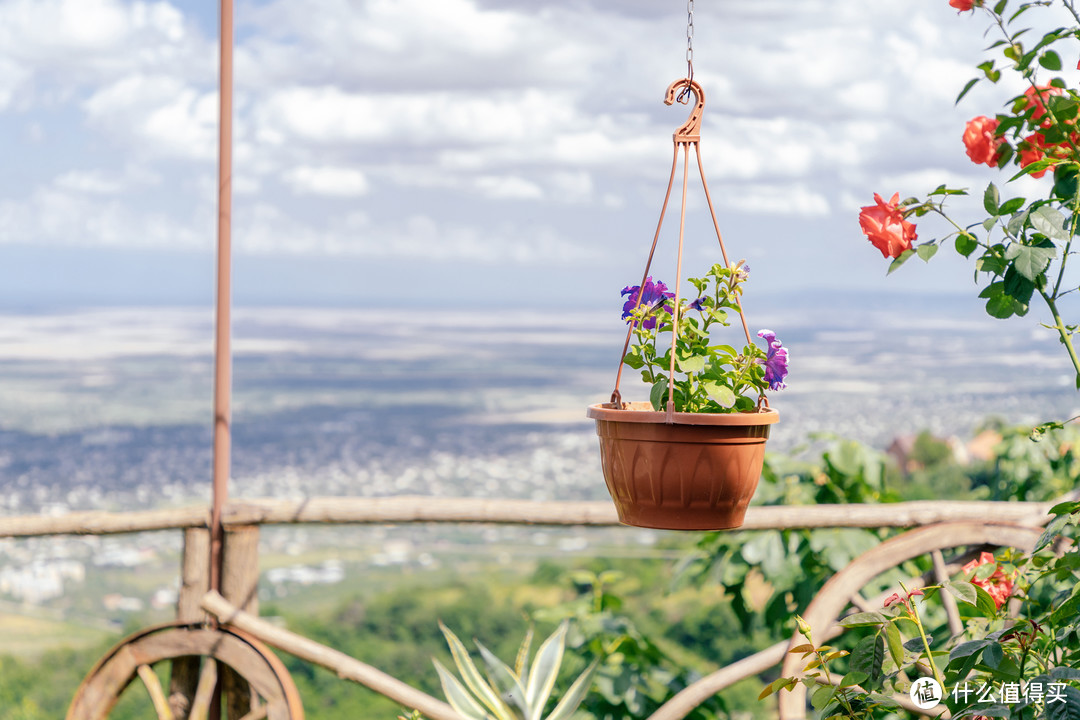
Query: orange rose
x,y
884,225
982,141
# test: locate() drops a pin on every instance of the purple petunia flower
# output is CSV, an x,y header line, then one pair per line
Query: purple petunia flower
x,y
776,361
652,295
696,305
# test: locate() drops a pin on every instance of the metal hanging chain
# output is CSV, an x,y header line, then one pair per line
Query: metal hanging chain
x,y
684,96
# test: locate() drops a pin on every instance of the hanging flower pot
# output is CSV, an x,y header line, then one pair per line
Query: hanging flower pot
x,y
691,457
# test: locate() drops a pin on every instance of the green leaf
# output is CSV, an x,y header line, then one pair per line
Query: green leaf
x,y
1050,222
903,258
853,678
1050,60
659,394
1010,206
864,619
1053,529
776,685
990,263
1065,182
1000,307
821,697
926,251
964,591
1017,286
721,394
991,199
970,84
895,642
993,290
868,657
693,364
966,649
544,671
1065,508
1068,609
966,244
984,603
1016,223
1067,710
993,655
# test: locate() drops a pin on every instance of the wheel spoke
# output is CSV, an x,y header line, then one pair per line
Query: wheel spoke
x,y
941,575
157,695
204,692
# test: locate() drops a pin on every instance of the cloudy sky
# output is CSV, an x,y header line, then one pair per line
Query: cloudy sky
x,y
507,151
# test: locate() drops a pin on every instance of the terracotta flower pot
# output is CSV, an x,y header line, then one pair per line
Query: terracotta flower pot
x,y
697,473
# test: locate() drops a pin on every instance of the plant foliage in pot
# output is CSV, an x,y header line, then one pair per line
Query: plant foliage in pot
x,y
689,458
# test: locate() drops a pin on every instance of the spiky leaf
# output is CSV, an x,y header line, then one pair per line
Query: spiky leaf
x,y
544,671
472,677
458,697
573,697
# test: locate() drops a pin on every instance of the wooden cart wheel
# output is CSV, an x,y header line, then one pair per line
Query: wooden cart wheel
x,y
843,589
197,654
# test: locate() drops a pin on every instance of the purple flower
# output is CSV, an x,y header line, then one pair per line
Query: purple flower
x,y
742,272
776,361
696,305
652,295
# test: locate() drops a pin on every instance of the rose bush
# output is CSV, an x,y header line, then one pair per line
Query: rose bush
x,y
1022,249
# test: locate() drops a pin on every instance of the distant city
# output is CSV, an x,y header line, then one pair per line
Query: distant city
x,y
109,408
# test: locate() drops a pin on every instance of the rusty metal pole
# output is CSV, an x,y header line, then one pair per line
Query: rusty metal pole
x,y
222,346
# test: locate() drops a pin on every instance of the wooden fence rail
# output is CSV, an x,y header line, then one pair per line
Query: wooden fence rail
x,y
419,509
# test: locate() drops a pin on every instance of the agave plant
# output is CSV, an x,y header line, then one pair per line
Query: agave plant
x,y
505,693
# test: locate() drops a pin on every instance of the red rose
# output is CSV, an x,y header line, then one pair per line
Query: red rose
x,y
1036,98
884,226
998,585
982,141
962,5
1033,150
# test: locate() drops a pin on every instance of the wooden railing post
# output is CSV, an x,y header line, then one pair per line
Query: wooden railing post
x,y
240,586
194,582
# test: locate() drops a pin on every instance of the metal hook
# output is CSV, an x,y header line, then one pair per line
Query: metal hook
x,y
690,131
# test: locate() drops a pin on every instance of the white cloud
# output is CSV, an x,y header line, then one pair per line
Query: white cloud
x,y
508,187
331,181
329,115
52,216
422,113
162,114
93,183
60,45
267,229
794,199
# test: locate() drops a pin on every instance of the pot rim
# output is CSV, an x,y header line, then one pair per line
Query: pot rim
x,y
642,412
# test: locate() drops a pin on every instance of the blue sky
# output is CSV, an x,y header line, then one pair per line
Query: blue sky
x,y
463,151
